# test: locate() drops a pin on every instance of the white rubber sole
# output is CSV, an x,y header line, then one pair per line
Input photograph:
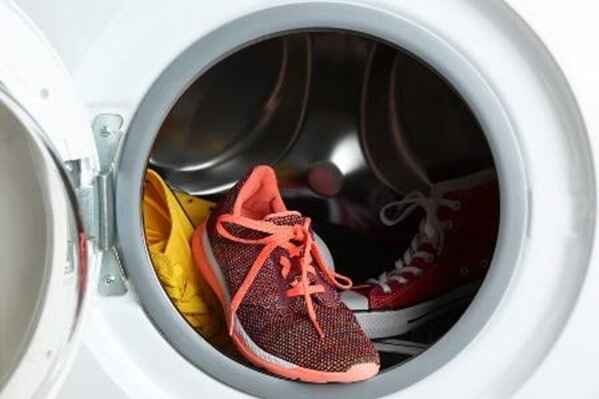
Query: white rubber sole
x,y
390,323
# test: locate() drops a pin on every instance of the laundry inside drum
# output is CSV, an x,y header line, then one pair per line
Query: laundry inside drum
x,y
375,147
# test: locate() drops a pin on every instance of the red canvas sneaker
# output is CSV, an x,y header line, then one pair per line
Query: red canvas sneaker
x,y
445,263
283,311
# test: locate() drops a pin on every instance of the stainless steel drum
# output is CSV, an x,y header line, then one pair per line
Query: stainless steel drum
x,y
222,125
247,109
416,130
331,136
378,123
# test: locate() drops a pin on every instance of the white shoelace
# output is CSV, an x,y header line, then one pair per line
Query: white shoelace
x,y
431,231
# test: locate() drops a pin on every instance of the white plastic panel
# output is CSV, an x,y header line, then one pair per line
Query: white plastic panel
x,y
34,75
570,32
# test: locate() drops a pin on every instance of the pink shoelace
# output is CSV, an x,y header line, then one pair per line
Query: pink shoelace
x,y
298,241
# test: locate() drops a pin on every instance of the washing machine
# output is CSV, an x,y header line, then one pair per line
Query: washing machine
x,y
87,89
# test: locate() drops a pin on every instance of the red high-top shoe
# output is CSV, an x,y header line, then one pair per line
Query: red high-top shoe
x,y
445,263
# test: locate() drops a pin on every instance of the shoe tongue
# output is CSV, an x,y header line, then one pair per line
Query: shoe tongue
x,y
287,218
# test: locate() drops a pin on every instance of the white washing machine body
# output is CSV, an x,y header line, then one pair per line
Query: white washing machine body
x,y
531,330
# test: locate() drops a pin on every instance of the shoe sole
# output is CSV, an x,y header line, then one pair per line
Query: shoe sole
x,y
211,271
391,323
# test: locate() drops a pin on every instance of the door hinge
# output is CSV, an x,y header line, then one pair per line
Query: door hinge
x,y
108,135
105,192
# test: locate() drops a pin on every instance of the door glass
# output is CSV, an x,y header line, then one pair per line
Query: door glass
x,y
41,244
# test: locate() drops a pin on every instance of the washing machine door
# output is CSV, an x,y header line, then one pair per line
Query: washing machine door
x,y
47,175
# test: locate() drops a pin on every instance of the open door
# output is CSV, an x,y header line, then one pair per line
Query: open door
x,y
47,161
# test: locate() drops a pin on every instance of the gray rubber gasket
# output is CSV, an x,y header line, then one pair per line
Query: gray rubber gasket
x,y
208,50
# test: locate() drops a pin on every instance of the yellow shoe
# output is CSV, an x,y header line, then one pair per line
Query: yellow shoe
x,y
168,231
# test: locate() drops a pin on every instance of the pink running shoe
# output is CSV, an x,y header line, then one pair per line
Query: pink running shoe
x,y
445,263
279,296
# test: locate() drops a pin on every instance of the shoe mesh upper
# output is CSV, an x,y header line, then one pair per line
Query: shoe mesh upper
x,y
280,324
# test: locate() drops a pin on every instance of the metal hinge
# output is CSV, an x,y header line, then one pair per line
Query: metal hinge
x,y
108,135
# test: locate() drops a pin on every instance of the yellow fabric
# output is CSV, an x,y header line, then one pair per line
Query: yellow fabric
x,y
168,231
196,209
